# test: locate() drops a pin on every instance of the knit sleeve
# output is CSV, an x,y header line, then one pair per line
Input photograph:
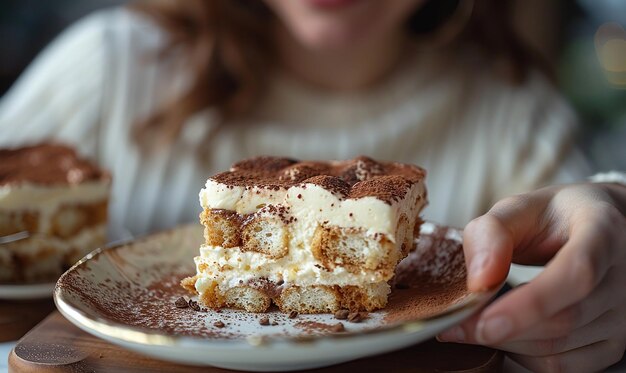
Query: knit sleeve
x,y
537,143
59,96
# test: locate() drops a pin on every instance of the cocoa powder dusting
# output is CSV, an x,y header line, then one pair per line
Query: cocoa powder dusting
x,y
147,308
432,279
389,189
354,178
313,327
47,164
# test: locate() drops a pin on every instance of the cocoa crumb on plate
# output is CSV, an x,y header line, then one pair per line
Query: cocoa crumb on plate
x,y
342,314
181,303
194,305
356,317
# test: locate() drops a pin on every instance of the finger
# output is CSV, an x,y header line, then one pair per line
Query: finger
x,y
569,277
595,357
488,248
463,333
598,330
564,322
489,241
602,299
610,323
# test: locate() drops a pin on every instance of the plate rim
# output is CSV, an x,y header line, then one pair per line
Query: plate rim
x,y
145,336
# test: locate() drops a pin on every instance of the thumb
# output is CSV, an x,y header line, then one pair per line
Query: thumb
x,y
489,241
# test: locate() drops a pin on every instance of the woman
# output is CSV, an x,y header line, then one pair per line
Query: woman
x,y
166,93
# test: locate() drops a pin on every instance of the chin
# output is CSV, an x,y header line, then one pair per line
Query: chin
x,y
330,37
332,24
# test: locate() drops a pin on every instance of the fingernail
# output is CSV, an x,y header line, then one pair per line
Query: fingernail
x,y
493,329
478,264
456,334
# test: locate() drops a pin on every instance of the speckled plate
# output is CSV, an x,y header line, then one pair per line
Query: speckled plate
x,y
126,294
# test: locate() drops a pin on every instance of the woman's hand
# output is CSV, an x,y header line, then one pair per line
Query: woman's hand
x,y
572,317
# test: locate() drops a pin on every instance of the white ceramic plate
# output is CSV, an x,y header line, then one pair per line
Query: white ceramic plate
x,y
520,274
26,292
125,294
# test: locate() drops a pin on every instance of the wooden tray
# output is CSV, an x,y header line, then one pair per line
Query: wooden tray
x,y
18,317
55,345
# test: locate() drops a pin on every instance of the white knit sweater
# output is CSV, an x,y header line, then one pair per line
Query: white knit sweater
x,y
479,138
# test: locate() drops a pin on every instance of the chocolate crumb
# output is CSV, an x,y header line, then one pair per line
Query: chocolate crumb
x,y
219,324
342,314
264,320
100,356
356,317
338,327
181,303
194,305
293,314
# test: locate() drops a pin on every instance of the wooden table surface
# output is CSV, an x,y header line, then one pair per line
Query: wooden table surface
x,y
55,345
18,317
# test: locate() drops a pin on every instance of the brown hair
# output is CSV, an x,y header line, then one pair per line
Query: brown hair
x,y
227,46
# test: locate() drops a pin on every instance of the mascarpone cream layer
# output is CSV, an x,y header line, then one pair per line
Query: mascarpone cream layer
x,y
315,204
47,199
83,242
34,197
231,267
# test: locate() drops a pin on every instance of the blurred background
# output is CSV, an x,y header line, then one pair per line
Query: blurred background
x,y
583,40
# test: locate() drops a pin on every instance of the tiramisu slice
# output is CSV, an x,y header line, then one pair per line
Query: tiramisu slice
x,y
59,200
312,237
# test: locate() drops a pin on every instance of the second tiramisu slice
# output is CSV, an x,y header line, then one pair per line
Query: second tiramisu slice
x,y
312,237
